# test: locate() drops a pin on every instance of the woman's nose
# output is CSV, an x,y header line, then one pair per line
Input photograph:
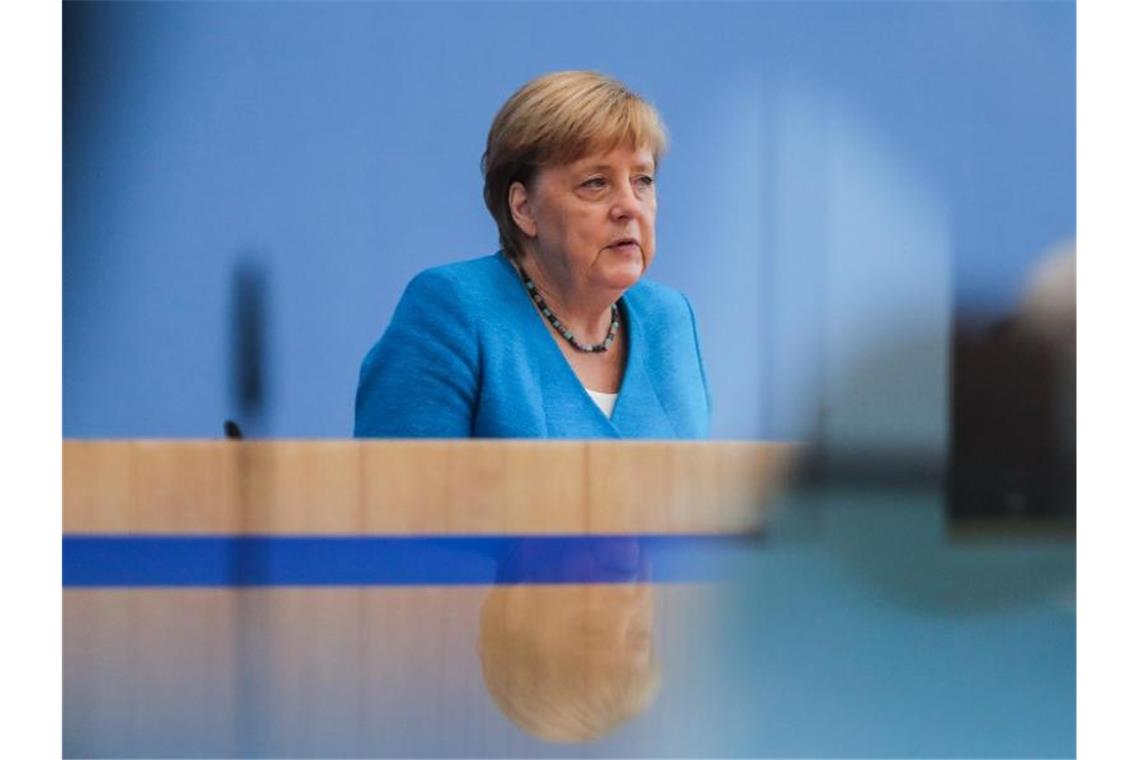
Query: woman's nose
x,y
626,203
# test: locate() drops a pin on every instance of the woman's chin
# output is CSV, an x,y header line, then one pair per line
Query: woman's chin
x,y
624,275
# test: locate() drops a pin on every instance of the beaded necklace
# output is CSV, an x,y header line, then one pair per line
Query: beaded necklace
x,y
597,348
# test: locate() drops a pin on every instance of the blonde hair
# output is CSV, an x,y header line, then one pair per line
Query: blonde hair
x,y
556,119
563,685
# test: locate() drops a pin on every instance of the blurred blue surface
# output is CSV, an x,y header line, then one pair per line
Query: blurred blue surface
x,y
843,178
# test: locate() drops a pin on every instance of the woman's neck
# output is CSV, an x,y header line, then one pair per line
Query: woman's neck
x,y
587,315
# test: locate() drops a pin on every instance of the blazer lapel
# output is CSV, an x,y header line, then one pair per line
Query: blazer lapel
x,y
638,404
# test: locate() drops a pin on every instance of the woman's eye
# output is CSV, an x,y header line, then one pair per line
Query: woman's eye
x,y
645,180
594,183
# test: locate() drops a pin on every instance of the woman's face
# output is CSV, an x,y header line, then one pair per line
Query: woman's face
x,y
591,222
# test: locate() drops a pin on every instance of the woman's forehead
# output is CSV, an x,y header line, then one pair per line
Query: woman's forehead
x,y
615,156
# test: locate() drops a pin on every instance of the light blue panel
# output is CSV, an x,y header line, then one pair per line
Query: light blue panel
x,y
886,296
795,253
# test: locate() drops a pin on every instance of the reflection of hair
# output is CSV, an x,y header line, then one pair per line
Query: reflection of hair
x,y
563,684
555,119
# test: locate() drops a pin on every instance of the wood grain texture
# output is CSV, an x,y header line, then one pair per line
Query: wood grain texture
x,y
404,487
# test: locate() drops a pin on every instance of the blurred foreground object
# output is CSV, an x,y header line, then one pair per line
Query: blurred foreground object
x,y
1047,311
1014,449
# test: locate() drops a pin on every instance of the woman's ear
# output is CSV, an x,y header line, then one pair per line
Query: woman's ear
x,y
519,201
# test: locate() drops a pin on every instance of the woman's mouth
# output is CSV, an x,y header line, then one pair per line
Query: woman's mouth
x,y
625,246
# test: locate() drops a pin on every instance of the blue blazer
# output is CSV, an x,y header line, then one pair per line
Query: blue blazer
x,y
467,355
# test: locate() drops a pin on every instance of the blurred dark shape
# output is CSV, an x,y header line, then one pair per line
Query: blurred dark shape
x,y
247,341
1011,454
880,426
99,44
233,432
1013,450
571,662
823,467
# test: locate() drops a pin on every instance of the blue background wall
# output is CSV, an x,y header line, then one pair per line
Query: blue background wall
x,y
843,178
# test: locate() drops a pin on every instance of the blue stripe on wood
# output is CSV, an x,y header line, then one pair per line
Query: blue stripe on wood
x,y
208,561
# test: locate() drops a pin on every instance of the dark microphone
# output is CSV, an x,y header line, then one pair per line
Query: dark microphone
x,y
247,345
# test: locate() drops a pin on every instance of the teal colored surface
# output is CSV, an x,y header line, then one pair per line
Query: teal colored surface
x,y
864,631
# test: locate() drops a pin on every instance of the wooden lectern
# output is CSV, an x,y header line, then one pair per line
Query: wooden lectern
x,y
287,598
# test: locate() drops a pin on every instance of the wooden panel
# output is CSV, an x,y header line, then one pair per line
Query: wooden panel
x,y
418,487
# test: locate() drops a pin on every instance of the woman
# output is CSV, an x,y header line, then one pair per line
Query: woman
x,y
557,335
